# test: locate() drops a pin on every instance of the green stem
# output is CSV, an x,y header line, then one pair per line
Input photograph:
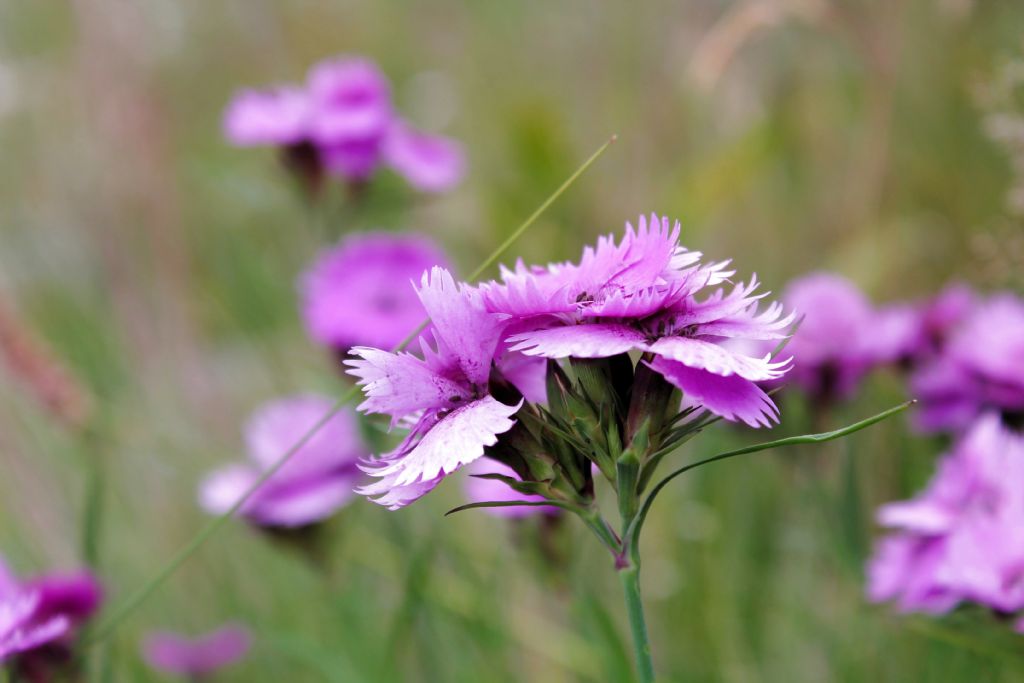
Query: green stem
x,y
629,576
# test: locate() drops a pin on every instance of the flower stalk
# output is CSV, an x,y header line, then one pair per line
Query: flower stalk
x,y
629,577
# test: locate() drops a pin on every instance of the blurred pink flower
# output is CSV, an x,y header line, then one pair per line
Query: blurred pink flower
x,y
361,292
38,616
832,347
343,122
196,658
980,368
961,539
314,484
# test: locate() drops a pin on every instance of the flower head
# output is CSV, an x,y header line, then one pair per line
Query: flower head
x,y
342,121
39,616
444,395
195,658
961,539
314,484
358,293
832,347
643,294
980,368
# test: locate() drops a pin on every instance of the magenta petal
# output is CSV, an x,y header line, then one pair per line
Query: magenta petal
x,y
303,503
578,341
394,496
430,163
20,631
718,360
273,117
920,516
470,333
398,384
275,427
455,440
76,596
351,160
176,654
731,397
351,100
222,488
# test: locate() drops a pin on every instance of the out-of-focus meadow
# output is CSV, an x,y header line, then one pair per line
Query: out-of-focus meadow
x,y
158,263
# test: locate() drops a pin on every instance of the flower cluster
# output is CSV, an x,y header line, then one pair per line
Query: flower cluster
x,y
357,293
39,618
490,360
315,483
962,538
342,122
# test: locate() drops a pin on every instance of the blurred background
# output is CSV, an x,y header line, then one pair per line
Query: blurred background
x,y
154,266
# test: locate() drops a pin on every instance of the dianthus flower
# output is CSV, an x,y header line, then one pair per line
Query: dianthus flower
x,y
961,539
343,122
196,658
358,294
314,484
445,396
39,618
980,368
642,295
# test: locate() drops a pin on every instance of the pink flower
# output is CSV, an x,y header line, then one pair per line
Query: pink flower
x,y
343,122
314,484
980,368
196,658
444,396
358,293
641,295
39,616
961,539
832,347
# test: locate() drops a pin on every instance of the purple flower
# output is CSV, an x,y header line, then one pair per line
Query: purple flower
x,y
357,293
479,490
641,294
444,396
195,658
314,484
980,368
38,616
961,539
343,122
831,349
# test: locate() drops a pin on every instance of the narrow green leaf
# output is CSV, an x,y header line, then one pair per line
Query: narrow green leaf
x,y
633,533
516,503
